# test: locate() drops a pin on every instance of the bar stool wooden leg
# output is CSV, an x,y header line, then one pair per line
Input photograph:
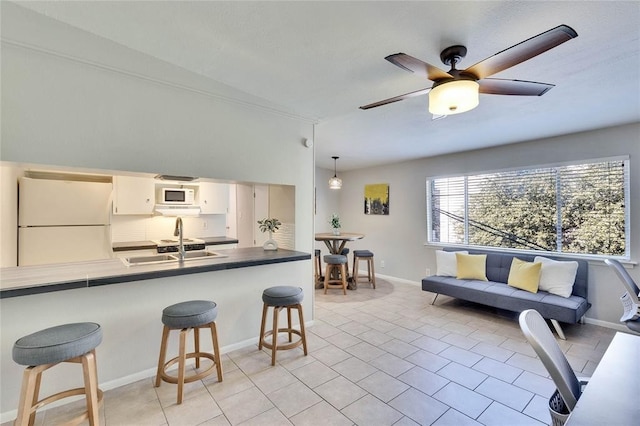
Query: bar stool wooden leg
x,y
163,354
289,322
182,352
343,275
214,339
262,325
196,344
90,372
303,335
328,272
372,274
30,389
274,335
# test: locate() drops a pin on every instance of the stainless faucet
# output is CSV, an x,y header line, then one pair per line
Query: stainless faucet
x,y
178,233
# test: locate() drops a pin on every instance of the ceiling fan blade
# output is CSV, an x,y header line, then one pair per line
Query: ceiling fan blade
x,y
522,51
397,98
497,86
417,66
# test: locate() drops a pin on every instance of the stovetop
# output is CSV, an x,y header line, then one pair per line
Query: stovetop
x,y
171,244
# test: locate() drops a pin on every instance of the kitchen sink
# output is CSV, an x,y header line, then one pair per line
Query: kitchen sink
x,y
166,258
200,254
145,260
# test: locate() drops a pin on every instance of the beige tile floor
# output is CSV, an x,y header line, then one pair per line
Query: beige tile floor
x,y
376,357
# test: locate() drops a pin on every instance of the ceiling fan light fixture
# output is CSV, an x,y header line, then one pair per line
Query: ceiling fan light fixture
x,y
335,182
454,97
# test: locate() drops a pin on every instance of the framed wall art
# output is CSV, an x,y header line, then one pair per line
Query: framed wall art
x,y
376,198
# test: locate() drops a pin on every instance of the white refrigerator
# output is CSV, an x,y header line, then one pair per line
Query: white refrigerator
x,y
63,221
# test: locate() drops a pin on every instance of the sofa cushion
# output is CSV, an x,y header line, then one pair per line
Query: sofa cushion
x,y
446,263
557,277
471,266
524,275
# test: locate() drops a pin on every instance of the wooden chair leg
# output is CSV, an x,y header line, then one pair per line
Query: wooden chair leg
x,y
90,373
163,354
343,273
262,325
216,349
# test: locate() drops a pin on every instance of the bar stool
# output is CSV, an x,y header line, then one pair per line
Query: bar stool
x,y
336,267
367,256
280,297
75,343
187,316
318,267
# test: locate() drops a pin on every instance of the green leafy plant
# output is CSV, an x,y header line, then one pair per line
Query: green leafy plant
x,y
269,225
335,221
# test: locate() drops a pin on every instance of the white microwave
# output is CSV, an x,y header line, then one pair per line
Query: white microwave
x,y
180,196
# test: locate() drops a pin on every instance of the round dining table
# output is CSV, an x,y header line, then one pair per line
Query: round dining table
x,y
336,243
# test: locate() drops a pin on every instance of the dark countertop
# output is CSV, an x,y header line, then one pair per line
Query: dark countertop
x,y
26,280
144,245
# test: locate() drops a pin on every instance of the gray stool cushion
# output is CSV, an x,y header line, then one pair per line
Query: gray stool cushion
x,y
335,259
344,252
283,295
57,344
362,253
189,314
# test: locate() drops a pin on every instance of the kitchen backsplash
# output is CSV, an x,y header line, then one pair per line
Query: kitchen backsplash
x,y
142,228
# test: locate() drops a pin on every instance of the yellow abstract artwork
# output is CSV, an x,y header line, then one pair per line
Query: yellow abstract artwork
x,y
376,198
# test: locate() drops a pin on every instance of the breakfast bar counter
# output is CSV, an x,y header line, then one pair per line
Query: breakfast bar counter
x,y
127,302
26,280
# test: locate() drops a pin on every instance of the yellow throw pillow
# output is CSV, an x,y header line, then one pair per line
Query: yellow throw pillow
x,y
471,266
524,275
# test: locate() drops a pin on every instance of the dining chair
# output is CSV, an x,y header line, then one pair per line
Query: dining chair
x,y
629,285
568,386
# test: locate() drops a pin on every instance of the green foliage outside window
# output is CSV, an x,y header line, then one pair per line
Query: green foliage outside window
x,y
569,209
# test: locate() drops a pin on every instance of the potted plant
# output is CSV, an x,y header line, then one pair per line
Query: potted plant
x,y
269,225
335,223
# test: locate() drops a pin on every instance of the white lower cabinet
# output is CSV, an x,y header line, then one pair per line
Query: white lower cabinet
x,y
222,247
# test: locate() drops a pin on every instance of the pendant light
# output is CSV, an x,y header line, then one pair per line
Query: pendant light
x,y
335,182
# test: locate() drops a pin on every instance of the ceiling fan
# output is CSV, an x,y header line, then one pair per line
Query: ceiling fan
x,y
456,91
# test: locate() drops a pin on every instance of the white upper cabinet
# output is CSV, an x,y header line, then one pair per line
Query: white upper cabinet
x,y
133,195
213,198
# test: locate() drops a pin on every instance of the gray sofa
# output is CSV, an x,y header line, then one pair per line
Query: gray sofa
x,y
498,294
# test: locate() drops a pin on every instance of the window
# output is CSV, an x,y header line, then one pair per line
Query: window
x,y
577,208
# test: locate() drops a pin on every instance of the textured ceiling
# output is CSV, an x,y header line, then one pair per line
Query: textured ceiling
x,y
323,59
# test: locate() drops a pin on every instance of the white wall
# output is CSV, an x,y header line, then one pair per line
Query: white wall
x,y
399,238
73,99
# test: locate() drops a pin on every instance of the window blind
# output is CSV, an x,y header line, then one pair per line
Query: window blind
x,y
577,208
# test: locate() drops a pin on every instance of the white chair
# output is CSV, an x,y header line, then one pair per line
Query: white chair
x,y
569,388
629,285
